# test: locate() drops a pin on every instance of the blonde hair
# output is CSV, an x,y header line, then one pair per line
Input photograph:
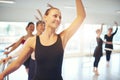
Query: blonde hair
x,y
98,30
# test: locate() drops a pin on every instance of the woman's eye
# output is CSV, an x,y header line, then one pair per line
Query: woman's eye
x,y
55,16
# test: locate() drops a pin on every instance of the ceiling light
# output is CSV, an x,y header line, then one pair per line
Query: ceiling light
x,y
69,7
118,11
7,1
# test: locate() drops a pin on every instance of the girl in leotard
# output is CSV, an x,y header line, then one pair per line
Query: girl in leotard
x,y
109,38
98,52
29,29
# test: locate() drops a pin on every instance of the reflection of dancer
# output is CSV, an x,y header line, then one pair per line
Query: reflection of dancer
x,y
29,29
49,46
109,38
98,50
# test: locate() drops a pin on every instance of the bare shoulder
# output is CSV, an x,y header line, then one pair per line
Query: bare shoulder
x,y
31,41
22,37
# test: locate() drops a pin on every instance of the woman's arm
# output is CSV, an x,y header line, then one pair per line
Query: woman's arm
x,y
10,46
4,60
101,29
14,46
24,54
67,34
107,42
116,28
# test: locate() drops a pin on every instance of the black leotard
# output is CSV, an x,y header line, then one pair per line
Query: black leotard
x,y
48,60
98,50
110,39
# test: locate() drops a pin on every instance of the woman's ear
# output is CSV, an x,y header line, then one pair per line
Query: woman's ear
x,y
26,28
44,18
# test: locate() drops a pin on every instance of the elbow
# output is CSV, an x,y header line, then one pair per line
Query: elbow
x,y
84,15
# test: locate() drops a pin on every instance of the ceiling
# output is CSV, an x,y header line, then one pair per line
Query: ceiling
x,y
97,11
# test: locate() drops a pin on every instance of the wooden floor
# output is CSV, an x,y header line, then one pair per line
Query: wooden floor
x,y
81,68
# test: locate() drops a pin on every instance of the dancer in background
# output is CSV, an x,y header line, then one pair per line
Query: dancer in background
x,y
29,29
98,52
49,46
109,38
40,27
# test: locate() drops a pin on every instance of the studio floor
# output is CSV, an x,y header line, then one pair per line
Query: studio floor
x,y
81,68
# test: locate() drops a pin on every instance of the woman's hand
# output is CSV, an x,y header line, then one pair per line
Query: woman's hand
x,y
1,76
109,43
5,60
6,52
7,48
116,23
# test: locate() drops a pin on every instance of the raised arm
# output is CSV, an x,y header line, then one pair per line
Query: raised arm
x,y
68,33
101,29
116,24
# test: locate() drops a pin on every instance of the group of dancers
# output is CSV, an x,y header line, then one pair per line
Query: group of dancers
x,y
49,46
46,49
108,41
30,62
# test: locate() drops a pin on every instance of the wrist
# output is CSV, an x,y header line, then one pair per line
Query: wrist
x,y
9,52
10,57
2,75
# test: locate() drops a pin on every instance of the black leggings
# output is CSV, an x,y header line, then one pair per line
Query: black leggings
x,y
96,61
108,54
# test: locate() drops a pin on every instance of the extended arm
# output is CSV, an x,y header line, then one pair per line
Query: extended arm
x,y
14,46
24,54
10,46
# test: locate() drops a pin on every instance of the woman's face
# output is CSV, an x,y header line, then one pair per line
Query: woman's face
x,y
98,31
53,19
30,28
40,27
110,30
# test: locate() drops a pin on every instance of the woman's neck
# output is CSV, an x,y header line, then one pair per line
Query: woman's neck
x,y
49,31
29,34
109,34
